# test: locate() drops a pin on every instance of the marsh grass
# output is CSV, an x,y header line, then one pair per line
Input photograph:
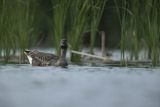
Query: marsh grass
x,y
139,28
60,14
25,17
16,20
139,20
122,13
6,30
72,19
79,13
152,29
96,10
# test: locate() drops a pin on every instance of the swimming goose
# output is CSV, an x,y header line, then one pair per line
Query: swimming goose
x,y
37,58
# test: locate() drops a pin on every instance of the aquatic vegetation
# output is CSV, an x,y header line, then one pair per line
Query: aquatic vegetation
x,y
70,19
16,23
122,20
25,17
96,11
60,13
79,14
139,28
7,42
152,30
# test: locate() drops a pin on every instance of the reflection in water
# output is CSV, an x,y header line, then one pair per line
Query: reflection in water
x,y
78,86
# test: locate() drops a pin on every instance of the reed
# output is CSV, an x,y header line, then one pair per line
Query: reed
x,y
134,26
96,11
122,16
71,19
25,17
130,34
152,29
139,28
6,30
79,15
60,14
16,27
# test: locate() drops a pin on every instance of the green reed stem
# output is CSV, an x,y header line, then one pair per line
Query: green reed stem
x,y
97,9
79,11
60,11
15,27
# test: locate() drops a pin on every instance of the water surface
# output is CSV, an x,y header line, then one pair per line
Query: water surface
x,y
78,86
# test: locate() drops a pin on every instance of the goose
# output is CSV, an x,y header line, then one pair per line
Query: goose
x,y
37,58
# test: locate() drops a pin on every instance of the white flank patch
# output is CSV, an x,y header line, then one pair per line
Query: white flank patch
x,y
30,59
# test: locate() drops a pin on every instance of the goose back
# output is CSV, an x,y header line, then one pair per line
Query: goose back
x,y
42,59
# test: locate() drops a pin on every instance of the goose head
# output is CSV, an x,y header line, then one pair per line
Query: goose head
x,y
63,44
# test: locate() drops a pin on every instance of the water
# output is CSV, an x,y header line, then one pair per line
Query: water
x,y
78,86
